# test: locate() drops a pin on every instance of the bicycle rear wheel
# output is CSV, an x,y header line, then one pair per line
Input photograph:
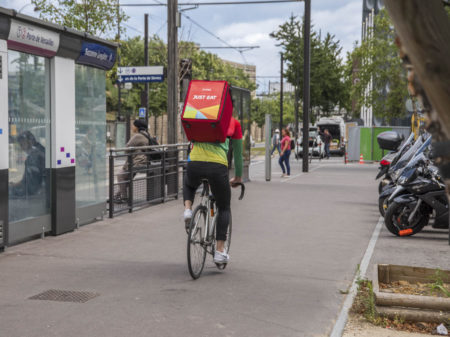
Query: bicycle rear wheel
x,y
196,249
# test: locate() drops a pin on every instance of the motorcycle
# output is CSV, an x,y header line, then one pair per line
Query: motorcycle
x,y
390,141
409,212
405,162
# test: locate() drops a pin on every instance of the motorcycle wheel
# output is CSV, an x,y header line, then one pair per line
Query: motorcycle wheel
x,y
381,205
396,220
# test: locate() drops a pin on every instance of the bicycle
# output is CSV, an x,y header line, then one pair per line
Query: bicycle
x,y
202,232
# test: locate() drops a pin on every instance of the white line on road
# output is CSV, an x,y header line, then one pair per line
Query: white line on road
x,y
300,174
338,328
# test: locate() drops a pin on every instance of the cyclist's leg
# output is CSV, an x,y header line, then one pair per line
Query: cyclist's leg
x,y
193,178
220,187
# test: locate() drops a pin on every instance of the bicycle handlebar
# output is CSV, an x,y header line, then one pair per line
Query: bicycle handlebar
x,y
205,190
242,189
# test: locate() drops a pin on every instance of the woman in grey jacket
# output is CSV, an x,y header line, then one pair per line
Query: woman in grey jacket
x,y
141,137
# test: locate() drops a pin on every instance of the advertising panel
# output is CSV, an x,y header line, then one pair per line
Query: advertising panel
x,y
203,101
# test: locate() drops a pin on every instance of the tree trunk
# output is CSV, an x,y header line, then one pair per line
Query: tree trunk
x,y
423,28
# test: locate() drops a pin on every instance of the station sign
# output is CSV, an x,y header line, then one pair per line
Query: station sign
x,y
32,39
140,74
94,54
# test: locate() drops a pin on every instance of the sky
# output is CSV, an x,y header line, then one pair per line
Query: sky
x,y
241,25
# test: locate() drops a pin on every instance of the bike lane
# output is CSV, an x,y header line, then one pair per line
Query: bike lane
x,y
296,245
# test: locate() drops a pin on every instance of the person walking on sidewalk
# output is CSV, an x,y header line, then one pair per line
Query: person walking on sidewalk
x,y
276,142
285,153
326,137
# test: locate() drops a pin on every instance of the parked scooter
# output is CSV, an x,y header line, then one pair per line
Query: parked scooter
x,y
409,212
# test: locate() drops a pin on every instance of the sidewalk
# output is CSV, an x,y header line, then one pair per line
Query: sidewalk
x,y
296,243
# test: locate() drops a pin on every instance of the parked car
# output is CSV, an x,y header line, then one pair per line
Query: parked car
x,y
316,146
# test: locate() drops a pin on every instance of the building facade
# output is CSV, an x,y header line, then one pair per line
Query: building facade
x,y
52,127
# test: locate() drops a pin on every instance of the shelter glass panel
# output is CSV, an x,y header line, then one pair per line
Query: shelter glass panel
x,y
29,142
90,115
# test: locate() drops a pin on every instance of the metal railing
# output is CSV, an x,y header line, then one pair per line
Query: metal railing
x,y
156,180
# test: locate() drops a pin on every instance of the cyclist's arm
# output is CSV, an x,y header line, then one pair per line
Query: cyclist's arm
x,y
236,139
237,154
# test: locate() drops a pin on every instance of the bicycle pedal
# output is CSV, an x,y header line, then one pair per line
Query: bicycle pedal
x,y
221,266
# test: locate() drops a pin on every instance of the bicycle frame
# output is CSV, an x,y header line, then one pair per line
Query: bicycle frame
x,y
211,217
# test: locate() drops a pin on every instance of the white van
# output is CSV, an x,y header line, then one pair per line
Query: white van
x,y
336,127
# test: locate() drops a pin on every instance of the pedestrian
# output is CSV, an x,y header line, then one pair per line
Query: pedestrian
x,y
276,142
141,137
285,153
34,170
326,137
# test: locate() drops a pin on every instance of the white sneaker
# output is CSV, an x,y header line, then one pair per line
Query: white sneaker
x,y
220,257
187,216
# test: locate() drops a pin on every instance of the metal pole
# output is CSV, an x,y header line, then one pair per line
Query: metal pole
x,y
306,84
281,93
268,135
296,114
172,71
111,184
146,64
118,58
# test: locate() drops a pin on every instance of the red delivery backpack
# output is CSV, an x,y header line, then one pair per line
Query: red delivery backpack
x,y
207,111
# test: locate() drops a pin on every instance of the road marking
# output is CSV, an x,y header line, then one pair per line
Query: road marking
x,y
339,326
300,174
256,162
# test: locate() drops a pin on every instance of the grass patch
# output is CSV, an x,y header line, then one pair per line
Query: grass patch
x,y
258,151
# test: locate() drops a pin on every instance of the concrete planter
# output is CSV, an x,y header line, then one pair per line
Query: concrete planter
x,y
414,308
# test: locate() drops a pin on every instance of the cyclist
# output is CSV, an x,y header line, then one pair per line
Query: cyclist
x,y
209,161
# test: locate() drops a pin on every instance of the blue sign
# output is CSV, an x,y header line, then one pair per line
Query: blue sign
x,y
97,55
142,112
140,78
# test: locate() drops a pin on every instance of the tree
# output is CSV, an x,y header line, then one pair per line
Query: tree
x,y
96,17
327,86
381,83
270,105
424,32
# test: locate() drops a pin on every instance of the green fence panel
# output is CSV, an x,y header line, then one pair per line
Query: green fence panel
x,y
368,143
365,146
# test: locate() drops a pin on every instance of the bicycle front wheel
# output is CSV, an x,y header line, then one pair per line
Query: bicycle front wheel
x,y
196,249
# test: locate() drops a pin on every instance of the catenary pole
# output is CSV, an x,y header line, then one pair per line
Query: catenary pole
x,y
281,92
306,82
146,64
172,71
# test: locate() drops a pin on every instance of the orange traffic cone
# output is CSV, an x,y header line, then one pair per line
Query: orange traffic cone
x,y
361,159
346,158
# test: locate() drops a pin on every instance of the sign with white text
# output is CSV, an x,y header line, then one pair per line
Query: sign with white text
x,y
31,39
140,74
97,55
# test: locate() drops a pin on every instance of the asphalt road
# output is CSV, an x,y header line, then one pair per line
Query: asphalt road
x,y
296,243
